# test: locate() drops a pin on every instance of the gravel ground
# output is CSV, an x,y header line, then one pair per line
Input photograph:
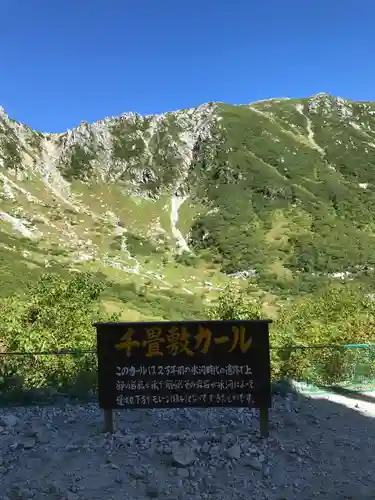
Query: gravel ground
x,y
317,449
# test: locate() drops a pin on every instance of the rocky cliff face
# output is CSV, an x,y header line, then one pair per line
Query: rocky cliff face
x,y
152,153
276,188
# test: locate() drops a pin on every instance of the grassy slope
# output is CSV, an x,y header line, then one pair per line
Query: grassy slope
x,y
162,289
281,205
276,189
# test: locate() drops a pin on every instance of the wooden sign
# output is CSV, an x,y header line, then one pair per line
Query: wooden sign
x,y
184,364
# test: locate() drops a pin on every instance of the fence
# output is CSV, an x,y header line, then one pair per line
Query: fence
x,y
43,377
320,368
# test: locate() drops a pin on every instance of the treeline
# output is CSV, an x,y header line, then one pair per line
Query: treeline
x,y
57,314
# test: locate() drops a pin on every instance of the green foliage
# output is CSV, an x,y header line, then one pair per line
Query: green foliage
x,y
271,189
34,140
19,270
126,146
11,155
273,197
78,165
186,259
336,316
157,166
138,245
236,303
117,242
168,305
15,274
54,315
57,251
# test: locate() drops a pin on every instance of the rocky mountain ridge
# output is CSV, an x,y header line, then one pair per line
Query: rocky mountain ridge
x,y
279,188
109,150
124,148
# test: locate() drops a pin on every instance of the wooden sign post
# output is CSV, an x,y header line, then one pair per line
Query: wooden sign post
x,y
184,364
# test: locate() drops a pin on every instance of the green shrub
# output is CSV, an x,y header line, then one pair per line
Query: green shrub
x,y
56,314
187,259
336,316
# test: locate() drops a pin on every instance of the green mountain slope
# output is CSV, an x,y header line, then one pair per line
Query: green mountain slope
x,y
167,206
291,183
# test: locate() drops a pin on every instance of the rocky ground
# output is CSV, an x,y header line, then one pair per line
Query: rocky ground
x,y
317,449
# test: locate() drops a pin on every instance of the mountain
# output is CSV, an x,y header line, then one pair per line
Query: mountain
x,y
175,204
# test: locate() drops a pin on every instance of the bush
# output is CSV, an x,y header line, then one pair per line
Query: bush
x,y
235,303
186,259
56,314
336,316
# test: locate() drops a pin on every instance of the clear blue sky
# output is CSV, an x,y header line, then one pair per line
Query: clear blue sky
x,y
72,60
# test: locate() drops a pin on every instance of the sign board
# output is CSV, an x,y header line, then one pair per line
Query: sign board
x,y
184,364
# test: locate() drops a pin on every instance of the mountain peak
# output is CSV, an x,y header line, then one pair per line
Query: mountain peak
x,y
282,187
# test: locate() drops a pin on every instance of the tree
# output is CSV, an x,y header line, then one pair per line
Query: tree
x,y
236,302
54,315
337,316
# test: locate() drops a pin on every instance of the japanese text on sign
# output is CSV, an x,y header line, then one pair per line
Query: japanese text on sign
x,y
179,385
178,340
185,399
182,370
195,363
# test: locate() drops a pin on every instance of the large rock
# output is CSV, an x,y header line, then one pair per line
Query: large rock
x,y
9,420
183,456
234,452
